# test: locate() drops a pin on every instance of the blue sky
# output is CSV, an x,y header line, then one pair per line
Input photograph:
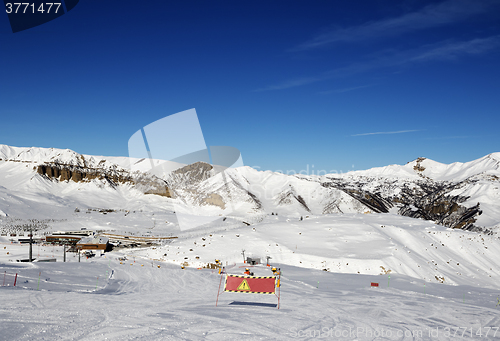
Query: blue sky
x,y
338,85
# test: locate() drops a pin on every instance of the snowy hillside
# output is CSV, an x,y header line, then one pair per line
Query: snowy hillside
x,y
332,236
431,280
351,203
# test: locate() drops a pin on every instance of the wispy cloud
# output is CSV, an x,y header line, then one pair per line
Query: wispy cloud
x,y
433,15
454,50
450,137
387,132
339,91
392,58
292,83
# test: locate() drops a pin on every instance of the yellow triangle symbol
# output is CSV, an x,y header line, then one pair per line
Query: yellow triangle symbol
x,y
244,286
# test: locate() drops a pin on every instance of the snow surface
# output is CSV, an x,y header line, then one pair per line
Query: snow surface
x,y
104,298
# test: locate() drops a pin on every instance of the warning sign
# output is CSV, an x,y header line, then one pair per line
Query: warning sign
x,y
250,284
244,285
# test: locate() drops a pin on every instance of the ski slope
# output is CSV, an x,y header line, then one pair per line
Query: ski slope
x,y
370,244
102,299
149,296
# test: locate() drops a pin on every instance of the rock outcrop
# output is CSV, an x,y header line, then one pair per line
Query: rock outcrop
x,y
113,176
424,199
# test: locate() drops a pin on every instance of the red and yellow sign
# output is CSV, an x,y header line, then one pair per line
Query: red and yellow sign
x,y
250,284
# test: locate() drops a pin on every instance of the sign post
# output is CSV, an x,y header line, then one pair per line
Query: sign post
x,y
251,285
218,291
279,288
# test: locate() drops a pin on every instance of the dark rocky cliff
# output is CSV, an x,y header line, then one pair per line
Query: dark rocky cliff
x,y
64,172
424,199
113,177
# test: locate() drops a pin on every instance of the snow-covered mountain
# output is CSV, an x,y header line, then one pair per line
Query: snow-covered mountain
x,y
311,227
459,195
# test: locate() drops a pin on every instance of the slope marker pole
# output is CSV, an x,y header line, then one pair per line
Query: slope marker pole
x,y
279,288
218,291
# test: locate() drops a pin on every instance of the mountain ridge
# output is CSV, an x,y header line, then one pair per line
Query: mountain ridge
x,y
458,195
